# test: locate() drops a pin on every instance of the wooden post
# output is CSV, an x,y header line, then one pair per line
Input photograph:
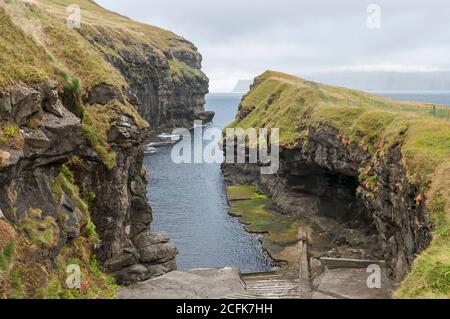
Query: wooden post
x,y
304,271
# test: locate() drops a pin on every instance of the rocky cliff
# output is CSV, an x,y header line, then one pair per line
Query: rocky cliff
x,y
166,84
74,106
367,171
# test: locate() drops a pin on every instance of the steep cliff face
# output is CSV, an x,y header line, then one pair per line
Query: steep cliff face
x,y
364,169
168,85
72,183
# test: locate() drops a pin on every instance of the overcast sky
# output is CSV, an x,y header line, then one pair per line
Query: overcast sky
x,y
242,38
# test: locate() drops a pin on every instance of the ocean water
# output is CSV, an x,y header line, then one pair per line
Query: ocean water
x,y
189,200
189,203
438,97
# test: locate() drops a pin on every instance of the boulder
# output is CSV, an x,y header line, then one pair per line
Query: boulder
x,y
125,130
160,269
102,94
25,102
146,239
121,261
131,274
51,102
205,117
159,253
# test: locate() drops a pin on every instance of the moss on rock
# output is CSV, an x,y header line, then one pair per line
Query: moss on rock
x,y
42,231
10,136
375,124
280,231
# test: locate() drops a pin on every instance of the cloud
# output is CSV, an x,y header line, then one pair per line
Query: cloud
x,y
240,39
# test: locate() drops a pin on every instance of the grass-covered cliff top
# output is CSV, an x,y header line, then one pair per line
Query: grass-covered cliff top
x,y
95,15
291,104
36,44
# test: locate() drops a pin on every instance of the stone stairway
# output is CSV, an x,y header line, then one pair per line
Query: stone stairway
x,y
267,286
340,279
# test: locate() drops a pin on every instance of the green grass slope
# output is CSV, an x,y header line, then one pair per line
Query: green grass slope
x,y
292,104
36,44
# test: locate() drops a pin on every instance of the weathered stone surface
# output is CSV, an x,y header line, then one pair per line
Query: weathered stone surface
x,y
121,211
145,239
205,117
196,284
332,263
5,105
56,108
121,261
116,197
320,180
7,234
191,58
160,269
51,102
159,253
72,221
352,284
125,131
25,102
102,94
132,274
4,158
163,99
36,141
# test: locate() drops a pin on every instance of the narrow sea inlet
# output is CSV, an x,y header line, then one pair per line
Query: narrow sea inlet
x,y
189,203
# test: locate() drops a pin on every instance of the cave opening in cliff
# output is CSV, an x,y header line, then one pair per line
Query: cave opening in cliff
x,y
324,193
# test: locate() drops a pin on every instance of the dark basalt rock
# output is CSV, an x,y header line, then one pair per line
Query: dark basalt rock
x,y
162,99
51,101
205,117
32,170
25,102
321,179
120,209
102,94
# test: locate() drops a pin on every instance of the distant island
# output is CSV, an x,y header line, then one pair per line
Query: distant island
x,y
242,86
385,81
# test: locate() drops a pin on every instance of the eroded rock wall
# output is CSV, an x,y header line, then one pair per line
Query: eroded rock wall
x,y
72,183
121,211
321,180
167,86
52,179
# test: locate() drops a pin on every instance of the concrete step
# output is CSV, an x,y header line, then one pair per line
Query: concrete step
x,y
250,296
264,286
333,263
262,276
268,287
263,289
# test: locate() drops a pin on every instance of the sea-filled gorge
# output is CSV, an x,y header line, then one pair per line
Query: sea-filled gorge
x,y
189,201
